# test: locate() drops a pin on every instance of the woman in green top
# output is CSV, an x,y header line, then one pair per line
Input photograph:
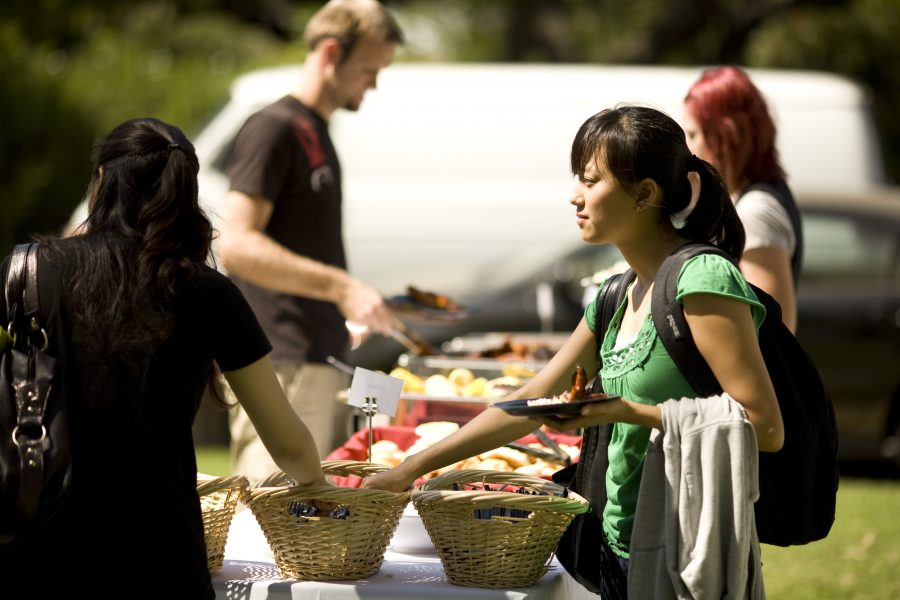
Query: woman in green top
x,y
639,187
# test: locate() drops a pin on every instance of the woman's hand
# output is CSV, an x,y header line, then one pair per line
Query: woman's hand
x,y
614,410
392,480
598,413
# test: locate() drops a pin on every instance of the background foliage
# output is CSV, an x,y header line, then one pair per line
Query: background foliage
x,y
72,69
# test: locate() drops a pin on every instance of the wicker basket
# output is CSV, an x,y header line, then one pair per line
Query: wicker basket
x,y
323,549
495,552
218,499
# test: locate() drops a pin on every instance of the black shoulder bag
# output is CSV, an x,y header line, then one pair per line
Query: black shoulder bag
x,y
35,457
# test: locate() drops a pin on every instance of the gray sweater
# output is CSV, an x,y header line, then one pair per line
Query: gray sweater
x,y
695,533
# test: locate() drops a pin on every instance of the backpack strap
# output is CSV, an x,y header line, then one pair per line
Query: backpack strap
x,y
671,325
608,300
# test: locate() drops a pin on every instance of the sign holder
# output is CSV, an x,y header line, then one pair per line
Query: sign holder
x,y
369,409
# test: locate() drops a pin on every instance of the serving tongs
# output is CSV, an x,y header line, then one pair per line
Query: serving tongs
x,y
412,340
556,454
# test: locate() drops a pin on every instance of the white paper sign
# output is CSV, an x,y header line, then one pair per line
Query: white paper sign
x,y
383,388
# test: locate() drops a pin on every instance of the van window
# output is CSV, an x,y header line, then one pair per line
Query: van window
x,y
842,250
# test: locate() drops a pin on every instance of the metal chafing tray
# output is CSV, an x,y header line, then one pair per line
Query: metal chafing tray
x,y
458,353
480,342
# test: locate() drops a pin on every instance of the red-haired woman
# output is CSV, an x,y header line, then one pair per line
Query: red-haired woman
x,y
728,124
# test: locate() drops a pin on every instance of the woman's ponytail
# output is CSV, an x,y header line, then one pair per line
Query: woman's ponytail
x,y
714,220
175,235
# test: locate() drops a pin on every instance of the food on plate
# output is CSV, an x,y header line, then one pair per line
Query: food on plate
x,y
576,392
579,381
544,401
431,299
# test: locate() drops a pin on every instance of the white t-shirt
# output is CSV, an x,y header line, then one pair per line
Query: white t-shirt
x,y
766,222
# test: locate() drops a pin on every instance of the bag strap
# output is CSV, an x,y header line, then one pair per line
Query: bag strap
x,y
23,304
30,383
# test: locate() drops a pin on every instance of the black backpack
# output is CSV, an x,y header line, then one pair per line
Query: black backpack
x,y
798,484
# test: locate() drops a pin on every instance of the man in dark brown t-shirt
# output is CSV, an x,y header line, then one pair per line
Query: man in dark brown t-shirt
x,y
281,232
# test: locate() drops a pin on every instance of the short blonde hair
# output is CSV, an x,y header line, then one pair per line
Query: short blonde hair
x,y
349,20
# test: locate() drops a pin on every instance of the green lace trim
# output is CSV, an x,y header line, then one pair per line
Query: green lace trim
x,y
618,362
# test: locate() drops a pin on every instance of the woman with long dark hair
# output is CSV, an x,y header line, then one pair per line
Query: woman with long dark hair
x,y
640,188
141,324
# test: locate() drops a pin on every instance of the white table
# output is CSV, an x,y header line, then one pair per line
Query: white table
x,y
249,573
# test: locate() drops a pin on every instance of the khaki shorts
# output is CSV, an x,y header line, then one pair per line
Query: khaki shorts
x,y
311,390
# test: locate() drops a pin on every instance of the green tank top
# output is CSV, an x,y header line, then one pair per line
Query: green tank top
x,y
644,372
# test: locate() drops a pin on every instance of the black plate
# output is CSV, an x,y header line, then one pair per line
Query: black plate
x,y
406,306
520,408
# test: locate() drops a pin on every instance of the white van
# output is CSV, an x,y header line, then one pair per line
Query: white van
x,y
456,177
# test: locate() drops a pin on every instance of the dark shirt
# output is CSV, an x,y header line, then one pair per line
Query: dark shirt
x,y
133,511
284,153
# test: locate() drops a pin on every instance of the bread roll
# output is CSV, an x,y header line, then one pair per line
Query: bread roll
x,y
501,386
460,377
539,469
440,386
390,459
474,389
384,447
412,383
435,430
495,464
515,458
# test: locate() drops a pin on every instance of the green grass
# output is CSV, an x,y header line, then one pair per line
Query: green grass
x,y
213,460
859,560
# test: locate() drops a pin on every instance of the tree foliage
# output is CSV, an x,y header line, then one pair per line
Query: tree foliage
x,y
72,69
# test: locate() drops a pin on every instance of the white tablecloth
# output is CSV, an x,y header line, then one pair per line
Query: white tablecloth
x,y
249,573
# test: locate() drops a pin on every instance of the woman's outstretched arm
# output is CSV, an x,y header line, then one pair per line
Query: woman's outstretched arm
x,y
282,432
